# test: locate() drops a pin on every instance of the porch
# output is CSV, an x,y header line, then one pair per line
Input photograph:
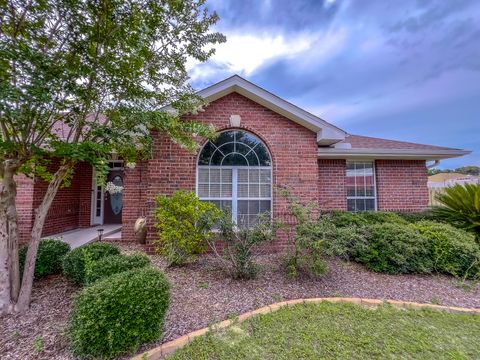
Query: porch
x,y
78,237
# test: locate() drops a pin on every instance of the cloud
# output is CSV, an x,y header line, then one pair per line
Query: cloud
x,y
245,53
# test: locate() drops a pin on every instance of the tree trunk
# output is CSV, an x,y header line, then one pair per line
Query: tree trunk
x,y
9,273
41,213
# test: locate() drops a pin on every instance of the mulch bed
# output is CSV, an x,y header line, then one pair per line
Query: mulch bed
x,y
203,295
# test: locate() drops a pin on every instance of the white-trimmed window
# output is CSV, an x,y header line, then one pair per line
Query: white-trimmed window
x,y
360,184
234,172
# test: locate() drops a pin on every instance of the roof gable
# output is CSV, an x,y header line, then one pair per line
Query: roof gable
x,y
327,134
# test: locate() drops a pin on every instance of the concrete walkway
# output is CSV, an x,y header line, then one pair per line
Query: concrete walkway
x,y
78,237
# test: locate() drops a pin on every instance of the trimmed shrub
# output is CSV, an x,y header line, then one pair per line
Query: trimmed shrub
x,y
345,218
49,257
184,224
394,249
119,313
75,262
454,251
381,217
114,264
413,217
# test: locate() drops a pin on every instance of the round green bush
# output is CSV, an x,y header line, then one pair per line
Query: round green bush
x,y
119,313
49,257
380,217
114,264
454,251
394,249
75,261
346,218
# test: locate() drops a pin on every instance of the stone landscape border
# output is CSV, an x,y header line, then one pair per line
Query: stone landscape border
x,y
171,346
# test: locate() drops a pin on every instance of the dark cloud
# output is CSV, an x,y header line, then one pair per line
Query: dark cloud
x,y
405,69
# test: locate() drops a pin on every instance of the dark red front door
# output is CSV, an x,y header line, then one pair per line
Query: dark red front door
x,y
114,201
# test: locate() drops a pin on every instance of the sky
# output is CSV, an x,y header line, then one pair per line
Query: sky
x,y
398,69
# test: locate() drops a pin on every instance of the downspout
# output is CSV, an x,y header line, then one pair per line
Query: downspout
x,y
435,163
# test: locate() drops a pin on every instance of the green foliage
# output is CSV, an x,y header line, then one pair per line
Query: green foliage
x,y
346,218
461,207
119,313
80,260
413,217
49,257
454,251
184,225
101,73
107,266
310,233
393,249
240,245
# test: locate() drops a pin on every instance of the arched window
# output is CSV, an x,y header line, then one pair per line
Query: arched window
x,y
234,171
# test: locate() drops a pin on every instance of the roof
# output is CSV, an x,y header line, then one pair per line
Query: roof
x,y
333,142
358,146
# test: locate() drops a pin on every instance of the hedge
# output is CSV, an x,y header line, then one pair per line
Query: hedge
x,y
49,257
75,261
119,313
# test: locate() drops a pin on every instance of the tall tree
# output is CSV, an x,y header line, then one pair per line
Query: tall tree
x,y
80,79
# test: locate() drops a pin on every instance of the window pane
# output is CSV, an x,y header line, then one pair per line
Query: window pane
x,y
370,204
242,207
242,190
203,175
215,190
350,190
254,175
253,207
265,190
265,205
242,175
226,190
254,190
351,205
265,176
215,175
227,176
203,190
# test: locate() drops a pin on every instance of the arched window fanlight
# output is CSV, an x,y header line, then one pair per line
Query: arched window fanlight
x,y
234,172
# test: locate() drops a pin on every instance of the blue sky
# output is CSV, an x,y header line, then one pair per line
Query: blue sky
x,y
398,69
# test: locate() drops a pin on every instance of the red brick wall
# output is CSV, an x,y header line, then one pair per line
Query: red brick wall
x,y
70,208
401,185
293,149
331,184
134,198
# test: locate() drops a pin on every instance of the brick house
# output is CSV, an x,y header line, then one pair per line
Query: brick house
x,y
264,143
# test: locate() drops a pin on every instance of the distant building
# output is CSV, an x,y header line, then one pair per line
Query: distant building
x,y
442,180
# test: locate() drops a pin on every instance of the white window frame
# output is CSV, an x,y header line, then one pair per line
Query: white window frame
x,y
374,197
234,198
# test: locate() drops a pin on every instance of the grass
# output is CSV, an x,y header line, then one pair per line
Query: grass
x,y
342,331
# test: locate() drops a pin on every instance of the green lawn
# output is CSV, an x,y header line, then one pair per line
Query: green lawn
x,y
343,331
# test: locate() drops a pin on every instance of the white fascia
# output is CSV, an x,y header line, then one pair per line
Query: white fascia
x,y
400,154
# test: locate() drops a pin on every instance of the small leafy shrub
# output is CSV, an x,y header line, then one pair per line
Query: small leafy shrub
x,y
454,251
184,224
240,245
77,260
461,207
344,240
310,233
49,257
119,313
393,249
114,264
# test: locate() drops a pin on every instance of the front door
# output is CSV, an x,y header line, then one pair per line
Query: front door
x,y
114,200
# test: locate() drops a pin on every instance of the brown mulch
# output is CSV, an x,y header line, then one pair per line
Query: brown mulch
x,y
202,295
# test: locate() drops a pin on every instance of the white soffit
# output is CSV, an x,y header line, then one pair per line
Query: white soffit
x,y
327,134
